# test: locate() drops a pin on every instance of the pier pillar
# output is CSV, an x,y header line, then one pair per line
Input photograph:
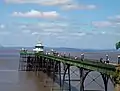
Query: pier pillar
x,y
69,77
67,68
81,79
105,80
59,66
29,65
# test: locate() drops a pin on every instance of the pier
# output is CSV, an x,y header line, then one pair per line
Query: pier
x,y
58,68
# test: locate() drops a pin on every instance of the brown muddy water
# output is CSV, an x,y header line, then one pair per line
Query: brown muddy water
x,y
13,80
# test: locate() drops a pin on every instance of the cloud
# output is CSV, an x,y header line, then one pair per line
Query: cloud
x,y
23,1
64,4
44,26
110,22
53,30
79,34
35,33
41,2
114,17
78,7
4,33
103,32
26,31
2,26
101,24
36,14
52,26
23,26
74,35
43,33
55,2
62,37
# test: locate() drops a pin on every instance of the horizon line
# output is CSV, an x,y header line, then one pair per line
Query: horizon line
x,y
60,47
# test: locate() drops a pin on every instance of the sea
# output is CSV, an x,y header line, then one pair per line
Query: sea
x,y
13,80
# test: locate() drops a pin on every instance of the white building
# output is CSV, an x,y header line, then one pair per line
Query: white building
x,y
39,47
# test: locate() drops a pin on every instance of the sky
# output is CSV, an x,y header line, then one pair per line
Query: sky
x,y
84,24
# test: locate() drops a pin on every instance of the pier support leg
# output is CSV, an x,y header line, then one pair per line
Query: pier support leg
x,y
54,71
60,74
83,75
66,67
69,77
105,80
81,80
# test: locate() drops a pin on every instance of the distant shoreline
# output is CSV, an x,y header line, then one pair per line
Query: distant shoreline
x,y
66,49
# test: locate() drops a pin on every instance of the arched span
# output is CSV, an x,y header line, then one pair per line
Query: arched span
x,y
83,79
100,75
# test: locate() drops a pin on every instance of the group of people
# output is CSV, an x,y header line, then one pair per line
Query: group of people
x,y
81,58
52,52
105,61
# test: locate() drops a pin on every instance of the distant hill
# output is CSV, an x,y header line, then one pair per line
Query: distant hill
x,y
77,50
62,49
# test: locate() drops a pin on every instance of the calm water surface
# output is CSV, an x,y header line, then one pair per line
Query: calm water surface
x,y
13,80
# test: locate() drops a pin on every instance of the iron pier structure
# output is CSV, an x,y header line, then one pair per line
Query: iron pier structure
x,y
60,69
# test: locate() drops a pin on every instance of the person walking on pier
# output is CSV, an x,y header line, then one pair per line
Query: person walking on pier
x,y
82,56
107,59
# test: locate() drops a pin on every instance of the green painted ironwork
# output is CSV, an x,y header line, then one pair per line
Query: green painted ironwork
x,y
111,71
87,64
